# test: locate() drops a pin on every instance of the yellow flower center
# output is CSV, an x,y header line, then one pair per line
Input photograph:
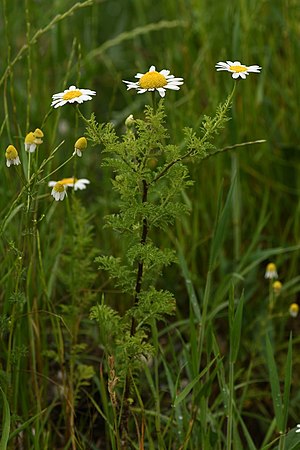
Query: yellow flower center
x,y
59,187
277,286
238,68
29,139
72,94
11,152
66,181
294,308
81,143
271,267
152,80
38,133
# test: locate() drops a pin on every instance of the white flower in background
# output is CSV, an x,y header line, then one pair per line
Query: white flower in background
x,y
38,136
237,68
80,146
294,311
72,95
12,156
32,139
30,145
271,271
298,428
60,187
59,191
153,80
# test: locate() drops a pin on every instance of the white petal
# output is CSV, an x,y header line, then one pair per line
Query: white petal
x,y
55,195
255,69
177,81
79,185
131,85
165,73
222,64
236,75
59,103
152,69
161,91
172,86
87,92
52,183
85,97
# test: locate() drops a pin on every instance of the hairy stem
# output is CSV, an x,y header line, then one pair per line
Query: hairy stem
x,y
140,270
138,286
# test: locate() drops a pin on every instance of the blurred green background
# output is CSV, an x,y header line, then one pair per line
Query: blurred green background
x,y
46,47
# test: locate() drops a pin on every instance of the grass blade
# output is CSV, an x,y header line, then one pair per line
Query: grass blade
x,y
6,422
180,397
275,386
287,382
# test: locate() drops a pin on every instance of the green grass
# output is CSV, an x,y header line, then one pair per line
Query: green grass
x,y
225,371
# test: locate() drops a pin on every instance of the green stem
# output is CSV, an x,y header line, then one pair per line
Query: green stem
x,y
57,168
81,115
154,102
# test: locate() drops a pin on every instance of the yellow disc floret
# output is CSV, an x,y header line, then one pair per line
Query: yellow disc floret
x,y
38,135
72,94
11,152
152,80
68,181
277,286
59,187
271,267
238,68
81,143
29,139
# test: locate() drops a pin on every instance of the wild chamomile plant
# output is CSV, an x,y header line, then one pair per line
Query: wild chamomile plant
x,y
149,174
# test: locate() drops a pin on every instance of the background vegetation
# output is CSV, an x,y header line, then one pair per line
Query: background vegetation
x,y
53,369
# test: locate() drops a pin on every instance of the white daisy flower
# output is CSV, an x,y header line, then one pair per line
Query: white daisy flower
x,y
153,80
12,156
71,182
298,428
38,136
30,145
32,139
237,68
271,271
72,95
294,311
59,191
